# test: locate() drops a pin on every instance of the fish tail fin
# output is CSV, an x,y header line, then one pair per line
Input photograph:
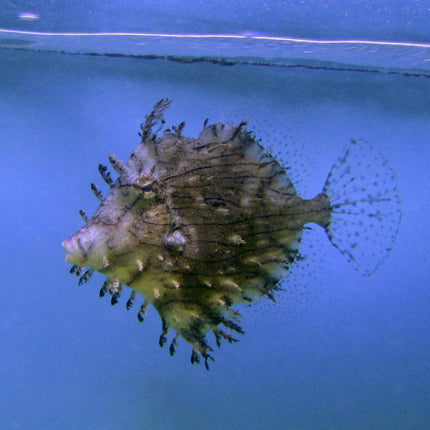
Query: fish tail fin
x,y
365,206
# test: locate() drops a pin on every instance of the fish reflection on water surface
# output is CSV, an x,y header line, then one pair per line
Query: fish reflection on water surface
x,y
199,226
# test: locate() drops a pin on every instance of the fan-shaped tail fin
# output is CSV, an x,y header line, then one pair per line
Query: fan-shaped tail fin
x,y
365,206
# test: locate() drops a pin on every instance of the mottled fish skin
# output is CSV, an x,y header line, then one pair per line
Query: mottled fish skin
x,y
195,226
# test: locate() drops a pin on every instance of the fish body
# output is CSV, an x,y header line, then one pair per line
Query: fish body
x,y
196,226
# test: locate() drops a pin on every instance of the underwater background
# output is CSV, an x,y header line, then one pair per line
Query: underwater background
x,y
339,350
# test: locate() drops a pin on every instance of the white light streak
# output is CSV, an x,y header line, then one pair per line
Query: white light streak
x,y
28,16
221,36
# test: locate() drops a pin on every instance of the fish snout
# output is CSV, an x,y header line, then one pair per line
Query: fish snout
x,y
74,250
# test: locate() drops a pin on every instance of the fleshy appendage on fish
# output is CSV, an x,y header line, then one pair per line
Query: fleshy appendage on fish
x,y
197,226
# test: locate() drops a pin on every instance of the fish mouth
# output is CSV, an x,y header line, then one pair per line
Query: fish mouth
x,y
74,251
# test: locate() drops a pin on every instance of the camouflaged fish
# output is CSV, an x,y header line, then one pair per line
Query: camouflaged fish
x,y
197,226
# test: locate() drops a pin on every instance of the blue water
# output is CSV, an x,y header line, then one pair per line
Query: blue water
x,y
344,352
405,20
